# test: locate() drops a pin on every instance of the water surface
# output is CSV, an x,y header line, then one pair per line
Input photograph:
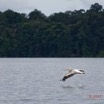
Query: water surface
x,y
37,81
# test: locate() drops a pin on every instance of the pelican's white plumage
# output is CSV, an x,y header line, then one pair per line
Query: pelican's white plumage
x,y
72,72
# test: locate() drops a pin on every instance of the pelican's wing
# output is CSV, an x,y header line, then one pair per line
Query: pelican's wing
x,y
67,76
70,74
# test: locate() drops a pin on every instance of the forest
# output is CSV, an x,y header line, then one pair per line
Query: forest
x,y
78,33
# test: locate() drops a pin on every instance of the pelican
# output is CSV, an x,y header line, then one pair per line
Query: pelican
x,y
72,72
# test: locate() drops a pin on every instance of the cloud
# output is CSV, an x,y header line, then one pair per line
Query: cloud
x,y
77,4
46,6
83,4
18,5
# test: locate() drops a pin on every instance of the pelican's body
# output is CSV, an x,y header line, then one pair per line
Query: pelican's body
x,y
72,72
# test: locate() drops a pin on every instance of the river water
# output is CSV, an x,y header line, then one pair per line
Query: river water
x,y
37,81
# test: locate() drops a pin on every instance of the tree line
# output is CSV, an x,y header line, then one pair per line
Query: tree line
x,y
78,33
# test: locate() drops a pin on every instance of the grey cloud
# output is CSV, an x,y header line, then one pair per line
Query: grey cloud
x,y
46,6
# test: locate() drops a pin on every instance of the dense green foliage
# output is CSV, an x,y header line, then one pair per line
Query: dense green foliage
x,y
76,33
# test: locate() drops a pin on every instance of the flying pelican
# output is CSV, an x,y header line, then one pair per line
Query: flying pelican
x,y
72,72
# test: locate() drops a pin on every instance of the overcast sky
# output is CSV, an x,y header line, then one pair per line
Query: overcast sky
x,y
47,6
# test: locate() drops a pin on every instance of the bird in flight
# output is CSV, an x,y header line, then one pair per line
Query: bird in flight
x,y
72,72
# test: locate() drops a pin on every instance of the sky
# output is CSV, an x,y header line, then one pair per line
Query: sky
x,y
47,7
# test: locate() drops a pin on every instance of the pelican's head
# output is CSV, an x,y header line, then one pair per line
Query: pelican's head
x,y
68,68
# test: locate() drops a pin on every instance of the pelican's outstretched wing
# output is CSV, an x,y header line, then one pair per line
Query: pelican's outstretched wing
x,y
67,76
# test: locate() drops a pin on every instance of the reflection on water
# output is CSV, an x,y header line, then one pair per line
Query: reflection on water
x,y
81,86
68,87
73,87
